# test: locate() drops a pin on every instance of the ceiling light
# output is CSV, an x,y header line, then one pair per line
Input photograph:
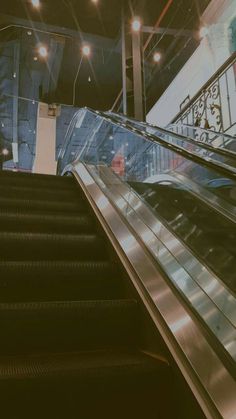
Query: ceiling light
x,y
203,32
95,1
86,50
136,24
5,151
35,3
43,52
157,57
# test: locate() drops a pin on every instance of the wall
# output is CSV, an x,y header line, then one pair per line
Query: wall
x,y
212,52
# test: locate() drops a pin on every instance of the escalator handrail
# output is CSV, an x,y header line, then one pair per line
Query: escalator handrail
x,y
208,147
217,134
217,149
216,166
200,362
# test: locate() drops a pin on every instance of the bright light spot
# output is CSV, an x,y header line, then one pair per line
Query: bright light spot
x,y
14,75
29,33
203,32
2,125
35,3
102,203
180,324
35,58
128,244
136,24
94,1
157,57
111,137
43,52
5,151
86,50
89,79
112,152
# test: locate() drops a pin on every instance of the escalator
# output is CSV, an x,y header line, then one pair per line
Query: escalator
x,y
117,291
210,236
72,332
217,139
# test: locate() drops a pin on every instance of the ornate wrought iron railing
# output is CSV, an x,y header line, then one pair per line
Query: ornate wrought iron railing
x,y
214,106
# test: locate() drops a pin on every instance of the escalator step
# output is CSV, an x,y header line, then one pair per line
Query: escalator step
x,y
77,205
8,177
86,385
45,222
85,366
59,280
40,194
42,246
67,326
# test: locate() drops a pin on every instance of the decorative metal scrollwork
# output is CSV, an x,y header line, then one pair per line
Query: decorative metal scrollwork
x,y
213,108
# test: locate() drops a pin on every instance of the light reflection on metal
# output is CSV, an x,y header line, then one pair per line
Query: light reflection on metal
x,y
200,365
154,231
180,324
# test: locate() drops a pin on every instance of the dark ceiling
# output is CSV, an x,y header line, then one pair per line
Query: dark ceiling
x,y
99,79
83,15
67,78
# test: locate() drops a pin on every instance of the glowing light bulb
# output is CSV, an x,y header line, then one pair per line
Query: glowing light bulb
x,y
35,3
157,57
43,52
86,50
136,24
5,151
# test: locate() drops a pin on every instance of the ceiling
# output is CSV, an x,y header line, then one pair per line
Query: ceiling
x,y
81,21
66,77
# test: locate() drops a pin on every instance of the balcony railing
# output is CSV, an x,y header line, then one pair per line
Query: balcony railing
x,y
214,106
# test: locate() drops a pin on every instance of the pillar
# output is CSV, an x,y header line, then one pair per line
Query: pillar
x,y
45,154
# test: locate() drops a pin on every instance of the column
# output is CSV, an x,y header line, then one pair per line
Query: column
x,y
45,154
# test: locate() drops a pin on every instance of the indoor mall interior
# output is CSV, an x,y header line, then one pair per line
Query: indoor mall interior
x,y
118,209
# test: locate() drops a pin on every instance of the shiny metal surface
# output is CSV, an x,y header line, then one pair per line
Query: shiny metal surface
x,y
199,148
210,381
224,207
203,290
95,138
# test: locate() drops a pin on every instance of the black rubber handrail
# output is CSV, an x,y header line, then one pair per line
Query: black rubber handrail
x,y
216,166
182,137
210,131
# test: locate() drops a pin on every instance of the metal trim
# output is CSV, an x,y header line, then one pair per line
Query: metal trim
x,y
210,381
179,265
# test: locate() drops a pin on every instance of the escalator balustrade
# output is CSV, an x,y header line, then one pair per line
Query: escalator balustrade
x,y
195,224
